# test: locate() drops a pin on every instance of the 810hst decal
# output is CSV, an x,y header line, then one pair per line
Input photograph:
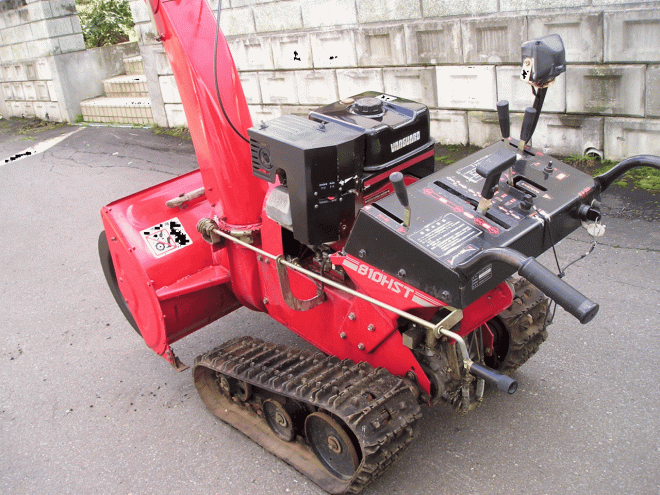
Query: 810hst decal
x,y
391,284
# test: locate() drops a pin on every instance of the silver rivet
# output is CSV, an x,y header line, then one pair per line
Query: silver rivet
x,y
351,316
361,346
371,327
342,335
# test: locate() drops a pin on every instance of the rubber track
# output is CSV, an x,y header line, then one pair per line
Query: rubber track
x,y
379,408
526,323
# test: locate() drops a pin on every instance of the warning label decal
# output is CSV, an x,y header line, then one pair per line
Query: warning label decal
x,y
166,237
482,276
445,236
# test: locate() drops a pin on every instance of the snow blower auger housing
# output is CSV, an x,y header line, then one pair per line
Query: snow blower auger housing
x,y
339,227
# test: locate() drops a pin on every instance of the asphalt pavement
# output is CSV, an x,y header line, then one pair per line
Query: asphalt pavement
x,y
87,408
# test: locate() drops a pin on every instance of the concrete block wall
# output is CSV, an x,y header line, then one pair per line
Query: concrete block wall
x,y
45,70
458,57
30,33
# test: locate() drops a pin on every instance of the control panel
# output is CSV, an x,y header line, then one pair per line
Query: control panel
x,y
535,201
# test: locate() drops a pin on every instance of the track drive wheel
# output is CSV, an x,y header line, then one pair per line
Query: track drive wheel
x,y
519,330
332,445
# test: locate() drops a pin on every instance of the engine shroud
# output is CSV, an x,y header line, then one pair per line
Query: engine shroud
x,y
342,152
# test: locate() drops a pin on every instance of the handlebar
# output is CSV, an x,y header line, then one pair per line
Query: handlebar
x,y
550,284
605,180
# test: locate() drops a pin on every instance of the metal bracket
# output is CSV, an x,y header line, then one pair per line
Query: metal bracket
x,y
448,322
292,301
174,361
207,228
247,236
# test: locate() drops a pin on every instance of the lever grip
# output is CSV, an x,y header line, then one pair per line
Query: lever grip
x,y
396,178
556,289
491,168
503,118
500,380
527,128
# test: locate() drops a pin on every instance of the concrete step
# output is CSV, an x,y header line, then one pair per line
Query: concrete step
x,y
133,65
135,110
128,85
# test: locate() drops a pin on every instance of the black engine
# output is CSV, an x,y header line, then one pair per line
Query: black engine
x,y
329,163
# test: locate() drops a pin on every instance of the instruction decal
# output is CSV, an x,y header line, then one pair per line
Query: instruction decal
x,y
166,237
446,236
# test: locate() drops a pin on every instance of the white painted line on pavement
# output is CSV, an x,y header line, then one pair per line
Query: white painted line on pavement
x,y
38,148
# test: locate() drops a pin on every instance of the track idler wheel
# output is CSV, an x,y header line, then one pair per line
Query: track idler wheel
x,y
332,445
243,391
284,420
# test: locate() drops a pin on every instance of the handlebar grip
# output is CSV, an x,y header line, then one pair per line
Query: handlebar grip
x,y
556,289
503,382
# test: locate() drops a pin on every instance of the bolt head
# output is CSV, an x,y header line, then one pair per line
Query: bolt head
x,y
361,346
334,445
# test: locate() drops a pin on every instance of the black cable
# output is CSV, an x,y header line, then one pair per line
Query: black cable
x,y
215,75
562,272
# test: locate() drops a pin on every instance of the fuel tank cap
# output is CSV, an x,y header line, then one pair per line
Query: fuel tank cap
x,y
368,107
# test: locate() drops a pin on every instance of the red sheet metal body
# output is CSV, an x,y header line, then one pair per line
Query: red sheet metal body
x,y
171,289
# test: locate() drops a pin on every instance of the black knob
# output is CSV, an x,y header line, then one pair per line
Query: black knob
x,y
528,124
396,178
368,107
503,118
527,202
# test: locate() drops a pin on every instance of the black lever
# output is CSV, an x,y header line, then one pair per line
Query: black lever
x,y
500,380
396,178
503,117
527,128
491,168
